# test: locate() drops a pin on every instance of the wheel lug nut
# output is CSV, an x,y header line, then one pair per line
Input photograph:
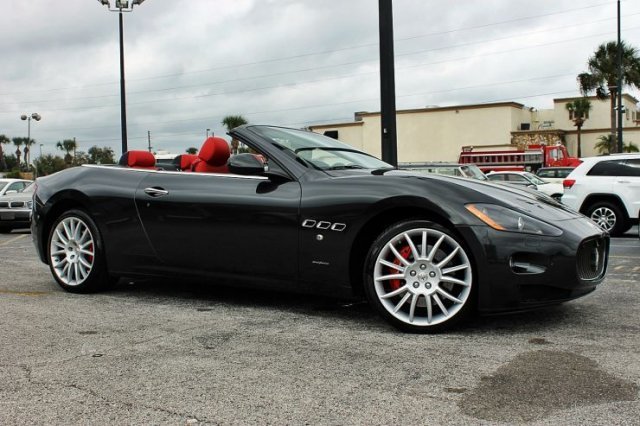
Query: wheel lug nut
x,y
427,285
432,274
423,266
416,284
412,273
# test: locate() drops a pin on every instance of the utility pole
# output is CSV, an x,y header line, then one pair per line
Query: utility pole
x,y
149,139
620,109
387,84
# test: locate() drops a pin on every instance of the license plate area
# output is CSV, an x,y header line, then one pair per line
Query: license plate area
x,y
7,216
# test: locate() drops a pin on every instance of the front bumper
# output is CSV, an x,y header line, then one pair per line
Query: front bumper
x,y
518,272
14,218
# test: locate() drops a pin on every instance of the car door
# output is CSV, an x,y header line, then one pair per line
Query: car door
x,y
517,179
627,185
228,225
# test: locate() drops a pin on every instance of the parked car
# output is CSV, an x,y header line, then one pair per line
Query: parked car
x,y
554,174
527,179
15,209
606,189
310,214
450,169
12,186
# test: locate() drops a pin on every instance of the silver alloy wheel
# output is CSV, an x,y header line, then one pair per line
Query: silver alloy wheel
x,y
422,277
72,251
604,217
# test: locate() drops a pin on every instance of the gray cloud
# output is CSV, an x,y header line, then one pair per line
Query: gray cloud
x,y
280,62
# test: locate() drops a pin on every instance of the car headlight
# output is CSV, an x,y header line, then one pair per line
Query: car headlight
x,y
29,204
505,219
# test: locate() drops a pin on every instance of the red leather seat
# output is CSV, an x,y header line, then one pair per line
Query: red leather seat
x,y
185,161
138,160
213,156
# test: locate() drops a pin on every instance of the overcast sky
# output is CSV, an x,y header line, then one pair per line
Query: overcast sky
x,y
293,63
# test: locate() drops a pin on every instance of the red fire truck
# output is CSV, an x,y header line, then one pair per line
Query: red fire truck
x,y
510,158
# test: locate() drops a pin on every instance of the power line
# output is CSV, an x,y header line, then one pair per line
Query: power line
x,y
284,85
235,80
565,11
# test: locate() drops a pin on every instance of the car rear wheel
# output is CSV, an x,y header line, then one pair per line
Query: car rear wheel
x,y
419,277
607,216
76,256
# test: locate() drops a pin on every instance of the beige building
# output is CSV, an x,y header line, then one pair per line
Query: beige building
x,y
439,133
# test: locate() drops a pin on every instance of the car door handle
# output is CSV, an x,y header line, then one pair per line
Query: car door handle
x,y
624,181
155,192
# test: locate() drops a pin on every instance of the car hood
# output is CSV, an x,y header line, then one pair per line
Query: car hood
x,y
526,200
523,199
552,186
17,197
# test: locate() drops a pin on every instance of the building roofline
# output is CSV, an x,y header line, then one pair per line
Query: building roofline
x,y
624,95
448,108
346,124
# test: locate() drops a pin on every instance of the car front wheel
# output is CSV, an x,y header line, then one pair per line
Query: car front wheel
x,y
76,257
607,216
419,276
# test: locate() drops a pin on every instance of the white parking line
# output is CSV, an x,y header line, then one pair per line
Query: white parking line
x,y
13,239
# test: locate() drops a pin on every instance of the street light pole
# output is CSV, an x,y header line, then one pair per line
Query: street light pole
x,y
23,117
389,138
123,102
122,6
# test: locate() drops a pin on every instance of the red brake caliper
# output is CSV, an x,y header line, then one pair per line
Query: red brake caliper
x,y
404,252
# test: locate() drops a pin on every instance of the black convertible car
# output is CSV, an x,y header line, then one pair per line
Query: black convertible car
x,y
307,213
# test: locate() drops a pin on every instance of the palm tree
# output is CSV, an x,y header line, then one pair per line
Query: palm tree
x,y
3,140
192,150
579,113
27,150
602,75
67,146
630,147
231,122
604,145
18,143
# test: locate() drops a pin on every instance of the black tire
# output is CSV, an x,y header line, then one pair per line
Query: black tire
x,y
608,216
417,299
73,235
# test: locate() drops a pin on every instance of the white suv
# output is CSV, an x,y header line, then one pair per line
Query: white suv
x,y
606,189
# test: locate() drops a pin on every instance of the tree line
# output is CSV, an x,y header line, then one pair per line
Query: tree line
x,y
20,160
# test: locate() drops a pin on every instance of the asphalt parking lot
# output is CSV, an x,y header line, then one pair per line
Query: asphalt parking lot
x,y
188,353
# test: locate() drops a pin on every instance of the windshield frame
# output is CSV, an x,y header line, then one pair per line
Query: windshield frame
x,y
324,153
536,180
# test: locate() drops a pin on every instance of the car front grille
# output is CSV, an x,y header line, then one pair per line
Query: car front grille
x,y
4,204
592,257
17,204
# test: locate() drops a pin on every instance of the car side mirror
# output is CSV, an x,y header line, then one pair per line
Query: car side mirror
x,y
248,164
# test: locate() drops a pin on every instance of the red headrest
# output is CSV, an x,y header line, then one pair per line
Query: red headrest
x,y
184,161
140,159
215,151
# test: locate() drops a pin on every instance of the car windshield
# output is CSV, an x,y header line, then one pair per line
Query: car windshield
x,y
534,179
473,171
319,151
29,188
2,185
